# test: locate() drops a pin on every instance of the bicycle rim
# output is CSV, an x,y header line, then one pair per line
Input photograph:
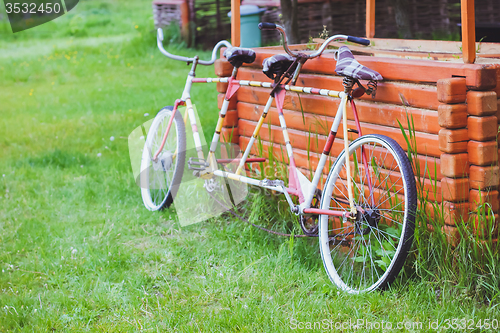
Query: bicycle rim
x,y
160,179
368,252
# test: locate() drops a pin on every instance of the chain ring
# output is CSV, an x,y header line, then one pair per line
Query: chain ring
x,y
211,185
309,223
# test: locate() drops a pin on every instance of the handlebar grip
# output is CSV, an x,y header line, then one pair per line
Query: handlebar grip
x,y
267,26
160,34
358,40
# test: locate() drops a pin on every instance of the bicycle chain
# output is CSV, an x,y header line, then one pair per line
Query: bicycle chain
x,y
231,210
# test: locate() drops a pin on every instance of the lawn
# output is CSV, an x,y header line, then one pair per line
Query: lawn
x,y
78,250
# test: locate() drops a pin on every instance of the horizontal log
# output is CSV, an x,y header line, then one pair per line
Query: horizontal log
x,y
369,112
483,79
408,94
383,199
411,48
478,76
429,187
302,158
427,144
430,190
427,166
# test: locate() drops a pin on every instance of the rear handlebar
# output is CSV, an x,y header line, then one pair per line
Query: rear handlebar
x,y
267,26
272,26
358,40
159,39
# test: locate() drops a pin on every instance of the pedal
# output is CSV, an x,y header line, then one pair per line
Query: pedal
x,y
197,164
268,182
279,183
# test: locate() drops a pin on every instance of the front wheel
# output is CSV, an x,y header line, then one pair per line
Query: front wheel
x,y
160,178
366,252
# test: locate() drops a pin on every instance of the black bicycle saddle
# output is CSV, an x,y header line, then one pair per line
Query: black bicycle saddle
x,y
238,55
276,65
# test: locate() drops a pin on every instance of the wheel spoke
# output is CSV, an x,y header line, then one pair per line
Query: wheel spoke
x,y
168,169
359,254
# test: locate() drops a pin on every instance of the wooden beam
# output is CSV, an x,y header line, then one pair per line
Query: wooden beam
x,y
235,22
477,76
370,18
185,14
468,31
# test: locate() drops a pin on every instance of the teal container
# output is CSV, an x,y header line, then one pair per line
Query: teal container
x,y
249,25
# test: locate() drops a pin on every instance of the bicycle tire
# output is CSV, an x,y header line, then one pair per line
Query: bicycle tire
x,y
168,170
367,253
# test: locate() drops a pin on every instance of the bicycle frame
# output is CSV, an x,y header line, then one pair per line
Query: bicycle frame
x,y
299,185
362,245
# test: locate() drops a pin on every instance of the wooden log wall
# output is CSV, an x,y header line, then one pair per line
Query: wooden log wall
x,y
454,108
429,19
166,12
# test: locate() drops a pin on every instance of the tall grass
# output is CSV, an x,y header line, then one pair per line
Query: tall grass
x,y
468,269
78,250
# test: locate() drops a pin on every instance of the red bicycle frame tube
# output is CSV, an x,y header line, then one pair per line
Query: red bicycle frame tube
x,y
294,184
248,160
293,179
326,212
177,103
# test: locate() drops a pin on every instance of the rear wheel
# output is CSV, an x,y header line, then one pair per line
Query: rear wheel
x,y
367,252
160,178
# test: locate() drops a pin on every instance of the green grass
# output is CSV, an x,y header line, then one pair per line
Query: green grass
x,y
79,252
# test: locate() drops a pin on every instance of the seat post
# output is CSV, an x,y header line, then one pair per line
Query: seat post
x,y
348,83
235,71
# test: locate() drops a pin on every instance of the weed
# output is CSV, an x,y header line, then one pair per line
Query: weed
x,y
78,250
471,265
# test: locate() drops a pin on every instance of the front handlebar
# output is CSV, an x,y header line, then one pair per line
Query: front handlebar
x,y
159,39
272,26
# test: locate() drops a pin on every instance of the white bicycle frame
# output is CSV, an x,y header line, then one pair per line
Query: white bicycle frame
x,y
299,185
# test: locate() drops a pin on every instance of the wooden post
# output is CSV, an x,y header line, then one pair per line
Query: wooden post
x,y
468,31
370,18
185,14
235,22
